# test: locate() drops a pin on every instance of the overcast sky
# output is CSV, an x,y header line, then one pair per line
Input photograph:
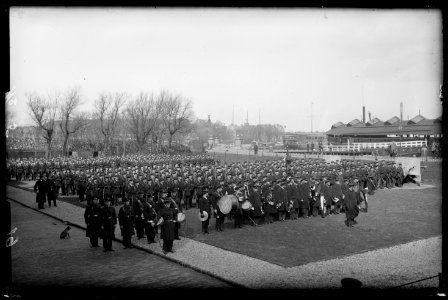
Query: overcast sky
x,y
269,63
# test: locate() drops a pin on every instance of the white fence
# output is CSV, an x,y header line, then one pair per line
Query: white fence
x,y
361,146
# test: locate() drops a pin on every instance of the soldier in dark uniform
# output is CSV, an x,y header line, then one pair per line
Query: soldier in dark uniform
x,y
176,206
109,222
114,190
314,203
137,212
167,226
99,189
130,190
214,198
82,189
89,191
57,184
92,217
351,205
40,187
108,191
371,182
50,189
326,193
97,193
336,195
150,215
281,199
269,205
255,199
304,199
238,214
292,191
126,220
204,206
64,183
73,183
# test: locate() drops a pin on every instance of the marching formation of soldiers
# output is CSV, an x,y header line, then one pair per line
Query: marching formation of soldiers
x,y
274,189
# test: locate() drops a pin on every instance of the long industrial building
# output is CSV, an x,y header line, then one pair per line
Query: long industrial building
x,y
416,129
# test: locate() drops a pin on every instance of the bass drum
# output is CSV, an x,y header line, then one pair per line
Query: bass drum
x,y
227,203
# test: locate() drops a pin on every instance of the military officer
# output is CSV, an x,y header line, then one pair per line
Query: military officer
x,y
167,227
204,205
126,221
92,217
109,222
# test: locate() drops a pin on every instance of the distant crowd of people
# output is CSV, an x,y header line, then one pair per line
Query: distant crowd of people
x,y
24,143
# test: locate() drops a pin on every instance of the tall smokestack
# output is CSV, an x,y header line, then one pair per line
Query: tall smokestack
x,y
401,111
363,114
370,119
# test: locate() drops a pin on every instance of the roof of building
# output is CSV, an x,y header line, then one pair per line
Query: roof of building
x,y
417,125
336,125
392,120
416,119
373,121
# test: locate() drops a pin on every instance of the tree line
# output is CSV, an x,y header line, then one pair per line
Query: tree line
x,y
145,120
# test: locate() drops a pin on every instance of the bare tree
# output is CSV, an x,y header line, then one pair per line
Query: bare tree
x,y
107,110
70,121
177,114
142,116
43,113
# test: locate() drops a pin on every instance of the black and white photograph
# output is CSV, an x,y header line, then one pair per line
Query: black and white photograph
x,y
159,150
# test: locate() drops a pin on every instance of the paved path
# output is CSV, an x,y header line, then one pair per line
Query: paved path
x,y
41,259
376,269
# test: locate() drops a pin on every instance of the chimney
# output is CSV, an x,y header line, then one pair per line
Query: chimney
x,y
363,114
370,119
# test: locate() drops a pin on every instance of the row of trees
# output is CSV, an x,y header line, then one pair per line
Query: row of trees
x,y
144,118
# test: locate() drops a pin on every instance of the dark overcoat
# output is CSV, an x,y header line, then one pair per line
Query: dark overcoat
x,y
92,217
126,220
168,225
